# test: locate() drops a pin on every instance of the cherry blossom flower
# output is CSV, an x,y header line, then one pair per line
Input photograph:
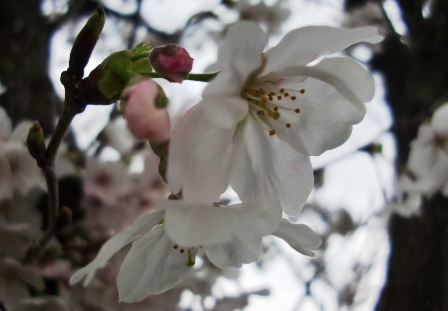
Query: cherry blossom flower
x,y
428,159
165,243
18,170
143,106
266,113
106,181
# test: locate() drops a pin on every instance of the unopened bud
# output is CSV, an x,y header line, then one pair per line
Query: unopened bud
x,y
172,62
85,42
64,218
140,107
35,141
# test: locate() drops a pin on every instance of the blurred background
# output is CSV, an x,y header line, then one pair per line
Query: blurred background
x,y
380,250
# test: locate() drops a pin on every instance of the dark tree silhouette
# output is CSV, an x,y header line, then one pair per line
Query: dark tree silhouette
x,y
416,76
24,35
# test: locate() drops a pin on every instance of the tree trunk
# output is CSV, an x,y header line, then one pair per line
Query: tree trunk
x,y
24,35
416,76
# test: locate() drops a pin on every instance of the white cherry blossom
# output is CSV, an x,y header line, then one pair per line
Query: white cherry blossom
x,y
266,113
428,159
18,170
165,244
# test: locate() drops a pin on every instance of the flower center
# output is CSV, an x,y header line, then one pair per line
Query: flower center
x,y
190,255
440,142
267,102
103,179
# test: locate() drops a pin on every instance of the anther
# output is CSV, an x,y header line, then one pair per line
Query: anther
x,y
293,97
297,110
271,132
275,108
282,90
271,98
182,251
288,125
260,112
271,93
302,91
286,94
175,246
279,97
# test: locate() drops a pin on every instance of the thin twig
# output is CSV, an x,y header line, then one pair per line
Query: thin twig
x,y
72,106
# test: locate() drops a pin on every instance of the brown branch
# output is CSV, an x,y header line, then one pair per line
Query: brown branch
x,y
72,106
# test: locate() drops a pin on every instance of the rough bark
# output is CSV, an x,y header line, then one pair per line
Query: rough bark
x,y
24,37
416,76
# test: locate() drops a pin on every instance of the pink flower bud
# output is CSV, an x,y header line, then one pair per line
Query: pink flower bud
x,y
172,62
143,109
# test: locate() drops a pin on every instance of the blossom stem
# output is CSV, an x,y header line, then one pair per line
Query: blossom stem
x,y
201,77
72,106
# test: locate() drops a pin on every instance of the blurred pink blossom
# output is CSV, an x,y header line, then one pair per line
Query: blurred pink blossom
x,y
144,113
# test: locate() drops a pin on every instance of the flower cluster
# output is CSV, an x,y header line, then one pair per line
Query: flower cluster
x,y
260,120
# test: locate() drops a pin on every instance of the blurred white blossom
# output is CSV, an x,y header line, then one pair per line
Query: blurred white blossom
x,y
428,159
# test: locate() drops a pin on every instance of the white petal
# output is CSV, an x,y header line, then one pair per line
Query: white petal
x,y
151,267
235,252
199,158
439,119
243,47
303,45
347,76
6,187
268,171
5,125
114,244
25,174
12,292
26,274
298,236
223,105
203,225
324,122
20,132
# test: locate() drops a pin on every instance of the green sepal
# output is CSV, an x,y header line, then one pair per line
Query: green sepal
x,y
110,84
141,66
142,48
121,67
120,63
161,99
